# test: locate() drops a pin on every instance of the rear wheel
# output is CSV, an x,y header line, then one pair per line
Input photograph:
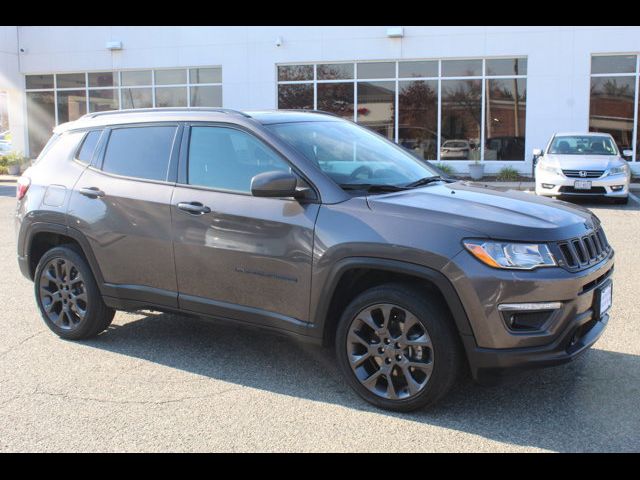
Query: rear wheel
x,y
68,296
397,347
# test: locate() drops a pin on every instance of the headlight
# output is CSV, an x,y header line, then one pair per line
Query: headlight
x,y
548,168
521,256
616,170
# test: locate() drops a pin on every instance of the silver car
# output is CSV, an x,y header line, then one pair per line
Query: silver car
x,y
582,164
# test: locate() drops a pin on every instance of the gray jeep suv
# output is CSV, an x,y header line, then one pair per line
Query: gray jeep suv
x,y
310,225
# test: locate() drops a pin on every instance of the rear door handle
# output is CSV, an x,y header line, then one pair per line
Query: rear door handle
x,y
195,208
91,192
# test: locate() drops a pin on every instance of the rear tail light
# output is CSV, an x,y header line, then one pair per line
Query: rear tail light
x,y
22,187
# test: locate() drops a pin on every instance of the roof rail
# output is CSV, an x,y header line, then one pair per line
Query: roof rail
x,y
165,109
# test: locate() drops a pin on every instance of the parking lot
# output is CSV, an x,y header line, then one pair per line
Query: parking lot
x,y
158,382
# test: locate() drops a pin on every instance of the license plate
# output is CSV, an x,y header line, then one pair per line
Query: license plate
x,y
582,185
605,299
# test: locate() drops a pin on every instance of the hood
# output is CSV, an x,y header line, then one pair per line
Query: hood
x,y
493,212
583,162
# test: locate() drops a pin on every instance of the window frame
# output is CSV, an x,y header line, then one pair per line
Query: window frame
x,y
183,167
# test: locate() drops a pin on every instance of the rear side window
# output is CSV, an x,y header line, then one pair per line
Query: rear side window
x,y
85,154
141,152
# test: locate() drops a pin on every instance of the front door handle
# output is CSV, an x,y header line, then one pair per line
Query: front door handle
x,y
195,208
91,192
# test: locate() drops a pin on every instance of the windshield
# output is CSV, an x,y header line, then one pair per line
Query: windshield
x,y
350,154
583,145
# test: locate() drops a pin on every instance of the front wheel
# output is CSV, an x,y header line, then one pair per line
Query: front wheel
x,y
68,296
397,347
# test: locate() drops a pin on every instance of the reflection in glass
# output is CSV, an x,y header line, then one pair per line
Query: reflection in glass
x,y
138,77
335,71
136,98
40,119
613,64
505,107
336,98
206,96
205,75
418,69
103,79
295,72
296,96
171,97
611,108
102,100
39,81
507,66
461,68
377,70
72,104
461,119
418,117
171,77
70,80
376,106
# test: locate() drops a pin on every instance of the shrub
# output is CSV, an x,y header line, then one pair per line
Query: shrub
x,y
447,169
508,174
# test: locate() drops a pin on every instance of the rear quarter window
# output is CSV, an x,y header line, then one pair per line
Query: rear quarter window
x,y
141,152
88,148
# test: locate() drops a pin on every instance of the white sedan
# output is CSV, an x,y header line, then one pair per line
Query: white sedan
x,y
582,164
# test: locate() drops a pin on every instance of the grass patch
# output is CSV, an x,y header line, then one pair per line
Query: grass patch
x,y
508,174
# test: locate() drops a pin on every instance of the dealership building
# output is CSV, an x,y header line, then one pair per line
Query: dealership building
x,y
452,94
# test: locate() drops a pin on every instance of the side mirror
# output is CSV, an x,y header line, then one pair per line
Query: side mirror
x,y
274,184
627,153
537,152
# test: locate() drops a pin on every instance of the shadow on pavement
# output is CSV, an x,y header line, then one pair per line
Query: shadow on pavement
x,y
590,404
602,203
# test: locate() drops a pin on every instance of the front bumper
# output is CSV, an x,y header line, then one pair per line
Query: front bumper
x,y
564,186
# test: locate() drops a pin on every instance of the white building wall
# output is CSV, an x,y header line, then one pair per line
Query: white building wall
x,y
558,58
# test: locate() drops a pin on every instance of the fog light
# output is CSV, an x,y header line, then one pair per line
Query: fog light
x,y
617,188
548,185
527,317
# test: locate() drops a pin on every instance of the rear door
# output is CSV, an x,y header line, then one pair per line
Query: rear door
x,y
240,256
122,206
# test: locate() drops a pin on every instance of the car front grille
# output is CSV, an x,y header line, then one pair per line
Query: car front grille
x,y
587,173
582,252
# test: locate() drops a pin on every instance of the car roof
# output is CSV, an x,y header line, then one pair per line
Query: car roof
x,y
144,115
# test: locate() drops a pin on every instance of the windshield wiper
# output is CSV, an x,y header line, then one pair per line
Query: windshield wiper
x,y
372,187
426,181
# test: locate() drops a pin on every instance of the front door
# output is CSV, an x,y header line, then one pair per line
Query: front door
x,y
239,256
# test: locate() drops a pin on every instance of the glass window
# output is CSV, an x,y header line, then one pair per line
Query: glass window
x,y
507,66
41,120
418,117
295,96
134,78
295,72
102,100
171,97
89,146
141,152
505,108
137,98
461,119
461,68
171,77
335,71
206,96
613,64
582,145
205,75
103,79
376,106
72,104
70,80
336,98
377,70
228,159
39,81
611,108
418,69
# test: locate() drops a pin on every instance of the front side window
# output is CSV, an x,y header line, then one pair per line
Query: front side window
x,y
227,159
350,154
141,152
583,145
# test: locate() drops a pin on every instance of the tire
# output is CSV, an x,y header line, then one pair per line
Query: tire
x,y
419,311
621,201
64,288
